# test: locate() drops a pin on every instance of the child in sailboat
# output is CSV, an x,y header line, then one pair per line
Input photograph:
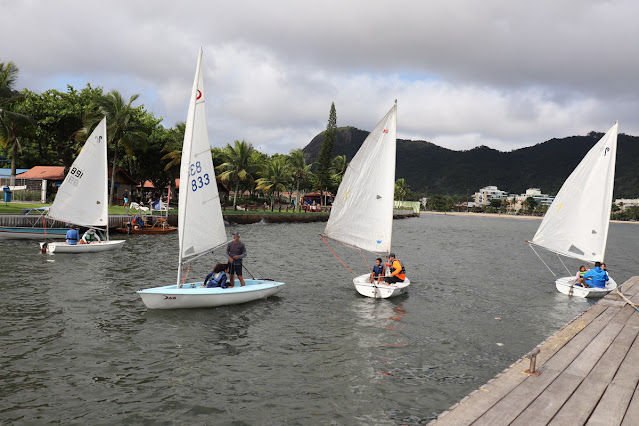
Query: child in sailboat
x,y
579,278
378,271
218,277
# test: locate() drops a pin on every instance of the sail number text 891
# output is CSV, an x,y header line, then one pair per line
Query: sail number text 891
x,y
74,176
198,181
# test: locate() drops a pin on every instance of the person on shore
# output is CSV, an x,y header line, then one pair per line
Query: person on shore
x,y
378,271
126,197
218,277
73,236
398,272
90,236
236,251
596,277
580,276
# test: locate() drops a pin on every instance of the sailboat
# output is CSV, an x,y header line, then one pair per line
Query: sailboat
x,y
82,197
576,224
362,212
200,222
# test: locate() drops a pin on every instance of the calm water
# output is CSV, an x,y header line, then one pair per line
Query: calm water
x,y
78,345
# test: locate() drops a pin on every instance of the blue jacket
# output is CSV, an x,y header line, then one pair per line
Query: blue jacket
x,y
72,236
210,281
598,277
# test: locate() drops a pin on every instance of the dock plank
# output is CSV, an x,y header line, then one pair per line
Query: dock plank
x,y
546,406
612,407
581,404
592,353
632,413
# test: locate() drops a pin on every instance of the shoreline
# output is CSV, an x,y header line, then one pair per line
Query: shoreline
x,y
504,216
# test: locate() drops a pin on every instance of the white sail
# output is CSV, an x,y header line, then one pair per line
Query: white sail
x,y
576,224
82,197
362,211
201,225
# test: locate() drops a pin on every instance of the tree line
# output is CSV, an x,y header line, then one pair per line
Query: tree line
x,y
50,128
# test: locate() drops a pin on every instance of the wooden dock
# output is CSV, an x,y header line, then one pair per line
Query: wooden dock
x,y
589,374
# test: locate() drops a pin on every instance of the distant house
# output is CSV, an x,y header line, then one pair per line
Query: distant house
x,y
487,193
518,200
317,198
624,203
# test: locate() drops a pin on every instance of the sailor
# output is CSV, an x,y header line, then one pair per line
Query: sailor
x,y
398,272
236,251
90,236
378,271
596,277
73,236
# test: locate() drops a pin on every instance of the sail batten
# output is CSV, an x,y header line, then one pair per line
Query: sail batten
x,y
362,211
576,224
82,197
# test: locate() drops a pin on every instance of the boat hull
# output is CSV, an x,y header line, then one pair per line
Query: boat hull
x,y
379,291
191,295
95,247
20,233
565,286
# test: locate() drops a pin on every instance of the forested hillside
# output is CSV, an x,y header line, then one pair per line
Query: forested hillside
x,y
431,169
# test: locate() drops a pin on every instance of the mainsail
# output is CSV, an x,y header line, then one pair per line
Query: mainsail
x,y
201,224
576,224
82,197
362,211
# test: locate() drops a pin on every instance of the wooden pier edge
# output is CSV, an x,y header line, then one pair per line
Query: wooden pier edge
x,y
589,373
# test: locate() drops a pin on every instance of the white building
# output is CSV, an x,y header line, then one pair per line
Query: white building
x,y
624,203
484,195
535,193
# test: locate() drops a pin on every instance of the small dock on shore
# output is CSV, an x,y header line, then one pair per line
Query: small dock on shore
x,y
589,371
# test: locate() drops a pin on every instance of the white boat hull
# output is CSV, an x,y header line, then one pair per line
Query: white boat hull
x,y
94,247
191,295
565,286
18,233
379,291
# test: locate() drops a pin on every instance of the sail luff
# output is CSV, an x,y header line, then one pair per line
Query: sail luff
x,y
576,224
362,211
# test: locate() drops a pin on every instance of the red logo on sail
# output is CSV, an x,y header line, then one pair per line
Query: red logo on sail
x,y
199,95
385,131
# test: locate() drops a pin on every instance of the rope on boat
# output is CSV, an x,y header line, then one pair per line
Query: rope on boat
x,y
366,261
562,262
542,260
323,239
626,299
185,274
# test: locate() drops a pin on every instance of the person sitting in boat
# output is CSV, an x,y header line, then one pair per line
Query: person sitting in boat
x,y
236,251
218,277
580,276
398,272
73,236
596,277
603,266
378,271
137,222
90,236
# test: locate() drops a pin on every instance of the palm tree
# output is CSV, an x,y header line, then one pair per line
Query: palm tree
x,y
13,125
276,177
338,168
122,126
402,189
173,148
239,165
299,168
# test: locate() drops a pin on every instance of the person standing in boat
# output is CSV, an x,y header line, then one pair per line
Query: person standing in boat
x,y
596,277
398,272
236,251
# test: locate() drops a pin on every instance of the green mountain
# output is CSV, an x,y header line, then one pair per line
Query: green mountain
x,y
432,169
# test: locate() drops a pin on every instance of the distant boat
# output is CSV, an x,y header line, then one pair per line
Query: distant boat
x,y
82,197
33,231
576,224
362,211
161,226
201,224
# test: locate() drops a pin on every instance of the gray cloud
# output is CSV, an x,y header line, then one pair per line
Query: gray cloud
x,y
499,73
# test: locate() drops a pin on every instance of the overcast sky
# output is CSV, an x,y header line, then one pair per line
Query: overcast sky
x,y
505,74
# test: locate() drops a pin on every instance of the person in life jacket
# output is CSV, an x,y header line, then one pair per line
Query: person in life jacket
x,y
90,236
398,272
218,277
73,236
378,271
596,277
580,276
